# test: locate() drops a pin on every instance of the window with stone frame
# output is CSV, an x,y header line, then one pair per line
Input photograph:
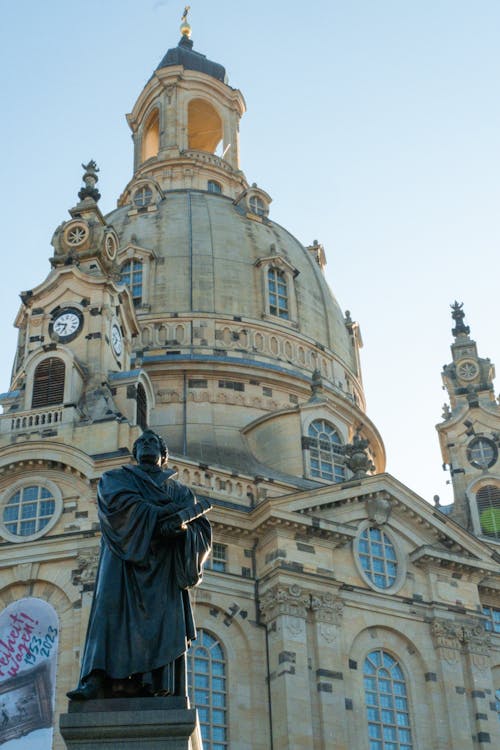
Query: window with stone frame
x,y
214,187
325,451
387,703
278,293
132,276
257,205
206,670
218,558
488,508
492,623
48,383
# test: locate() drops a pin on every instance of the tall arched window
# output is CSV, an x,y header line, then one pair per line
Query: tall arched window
x,y
207,688
278,293
132,276
325,452
48,383
142,407
151,137
387,708
488,507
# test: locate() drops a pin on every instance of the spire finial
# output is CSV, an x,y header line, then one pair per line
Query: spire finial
x,y
90,179
185,26
458,316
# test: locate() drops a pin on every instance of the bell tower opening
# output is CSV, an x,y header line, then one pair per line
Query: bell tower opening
x,y
204,126
151,137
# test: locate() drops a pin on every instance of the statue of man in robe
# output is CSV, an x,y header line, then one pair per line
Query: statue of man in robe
x,y
155,539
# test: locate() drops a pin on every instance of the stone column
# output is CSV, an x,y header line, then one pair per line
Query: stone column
x,y
328,664
131,723
477,649
284,610
448,688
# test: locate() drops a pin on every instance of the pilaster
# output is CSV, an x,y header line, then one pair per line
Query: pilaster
x,y
284,609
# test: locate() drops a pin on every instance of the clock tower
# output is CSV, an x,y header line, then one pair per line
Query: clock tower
x,y
470,434
76,329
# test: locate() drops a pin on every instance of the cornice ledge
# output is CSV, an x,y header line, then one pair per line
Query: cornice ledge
x,y
427,555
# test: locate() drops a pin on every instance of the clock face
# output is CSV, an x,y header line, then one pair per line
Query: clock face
x,y
67,324
116,340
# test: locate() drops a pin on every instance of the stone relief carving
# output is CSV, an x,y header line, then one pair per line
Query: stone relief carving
x,y
328,611
284,600
453,638
86,569
378,508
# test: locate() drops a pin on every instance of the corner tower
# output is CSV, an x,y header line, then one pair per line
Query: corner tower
x,y
470,434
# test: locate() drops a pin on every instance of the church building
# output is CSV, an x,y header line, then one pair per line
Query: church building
x,y
338,608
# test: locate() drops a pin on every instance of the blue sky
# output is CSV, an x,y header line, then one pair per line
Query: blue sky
x,y
373,124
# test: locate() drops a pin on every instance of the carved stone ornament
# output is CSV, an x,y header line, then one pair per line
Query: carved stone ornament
x,y
472,639
284,600
447,636
378,508
478,644
86,570
327,608
357,459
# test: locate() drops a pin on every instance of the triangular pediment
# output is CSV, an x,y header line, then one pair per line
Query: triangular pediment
x,y
431,536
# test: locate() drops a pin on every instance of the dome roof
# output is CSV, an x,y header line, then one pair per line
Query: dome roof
x,y
215,260
185,55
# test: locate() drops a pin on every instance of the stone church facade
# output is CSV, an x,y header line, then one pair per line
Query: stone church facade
x,y
339,609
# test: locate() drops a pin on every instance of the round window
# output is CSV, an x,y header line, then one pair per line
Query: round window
x,y
482,453
30,510
377,557
76,234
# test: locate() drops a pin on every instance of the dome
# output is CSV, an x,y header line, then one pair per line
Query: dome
x,y
190,59
214,260
242,338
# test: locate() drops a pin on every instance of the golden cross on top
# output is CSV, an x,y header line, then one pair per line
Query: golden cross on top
x,y
187,8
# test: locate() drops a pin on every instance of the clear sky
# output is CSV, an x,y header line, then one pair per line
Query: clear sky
x,y
373,124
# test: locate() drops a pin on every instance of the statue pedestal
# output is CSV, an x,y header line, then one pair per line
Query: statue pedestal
x,y
126,723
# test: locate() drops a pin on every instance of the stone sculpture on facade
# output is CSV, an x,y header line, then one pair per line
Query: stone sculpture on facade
x,y
155,539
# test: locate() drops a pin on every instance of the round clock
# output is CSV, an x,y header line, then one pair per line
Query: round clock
x,y
116,339
66,324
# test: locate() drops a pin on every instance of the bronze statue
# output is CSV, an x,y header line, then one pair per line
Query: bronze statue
x,y
155,539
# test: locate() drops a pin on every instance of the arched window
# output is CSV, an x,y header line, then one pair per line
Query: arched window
x,y
204,126
257,205
143,196
387,706
325,452
132,276
151,137
488,507
278,293
48,383
207,688
142,407
214,187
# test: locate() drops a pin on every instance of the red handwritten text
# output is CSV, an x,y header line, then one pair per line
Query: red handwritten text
x,y
14,646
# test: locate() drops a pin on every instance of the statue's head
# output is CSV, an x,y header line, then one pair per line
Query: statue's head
x,y
150,448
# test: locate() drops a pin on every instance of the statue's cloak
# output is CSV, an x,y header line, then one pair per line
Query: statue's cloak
x,y
141,616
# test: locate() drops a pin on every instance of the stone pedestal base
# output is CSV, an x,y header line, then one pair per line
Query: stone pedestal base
x,y
131,724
